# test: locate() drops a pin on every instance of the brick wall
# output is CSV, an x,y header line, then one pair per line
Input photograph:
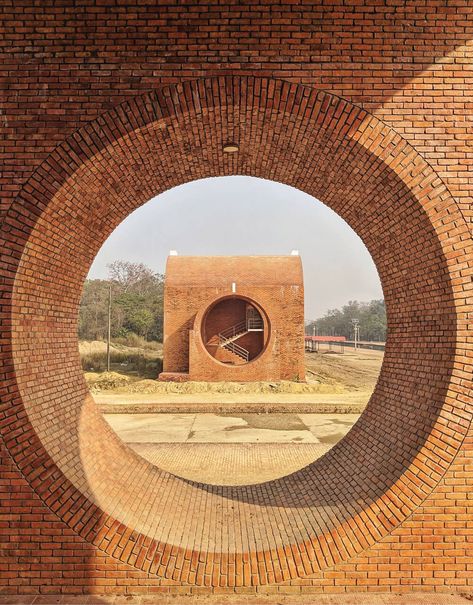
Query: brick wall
x,y
107,104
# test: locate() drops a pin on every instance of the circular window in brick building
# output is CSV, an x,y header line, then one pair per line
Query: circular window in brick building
x,y
233,338
234,331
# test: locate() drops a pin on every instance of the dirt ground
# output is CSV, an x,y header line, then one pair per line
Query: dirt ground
x,y
330,376
351,371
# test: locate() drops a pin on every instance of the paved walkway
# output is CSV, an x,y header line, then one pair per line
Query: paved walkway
x,y
242,428
230,463
231,450
220,403
233,599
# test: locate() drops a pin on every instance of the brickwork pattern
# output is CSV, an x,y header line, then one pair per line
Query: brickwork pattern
x,y
108,104
232,464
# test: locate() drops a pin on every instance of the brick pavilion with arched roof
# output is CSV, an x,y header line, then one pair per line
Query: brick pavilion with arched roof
x,y
233,318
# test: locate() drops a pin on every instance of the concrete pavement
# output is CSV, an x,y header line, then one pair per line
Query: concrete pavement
x,y
231,450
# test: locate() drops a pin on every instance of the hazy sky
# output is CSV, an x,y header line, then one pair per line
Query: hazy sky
x,y
245,215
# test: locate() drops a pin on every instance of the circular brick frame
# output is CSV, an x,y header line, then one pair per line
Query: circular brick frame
x,y
416,419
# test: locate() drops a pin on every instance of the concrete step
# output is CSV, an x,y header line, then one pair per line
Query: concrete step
x,y
174,376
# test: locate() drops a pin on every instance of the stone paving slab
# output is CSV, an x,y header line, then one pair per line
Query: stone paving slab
x,y
231,450
213,428
220,428
235,599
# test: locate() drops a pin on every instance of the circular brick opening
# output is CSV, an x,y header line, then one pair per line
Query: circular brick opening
x,y
234,330
417,417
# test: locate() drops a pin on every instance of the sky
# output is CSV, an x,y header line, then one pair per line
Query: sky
x,y
239,215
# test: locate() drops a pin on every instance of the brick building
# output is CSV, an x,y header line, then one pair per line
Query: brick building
x,y
364,104
233,318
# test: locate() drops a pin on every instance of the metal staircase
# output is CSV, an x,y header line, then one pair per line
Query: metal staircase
x,y
227,338
237,350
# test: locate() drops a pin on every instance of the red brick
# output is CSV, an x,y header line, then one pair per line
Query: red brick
x,y
365,105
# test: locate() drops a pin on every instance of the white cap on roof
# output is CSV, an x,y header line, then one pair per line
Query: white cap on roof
x,y
172,252
294,252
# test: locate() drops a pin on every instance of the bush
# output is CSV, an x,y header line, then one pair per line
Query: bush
x,y
132,340
137,342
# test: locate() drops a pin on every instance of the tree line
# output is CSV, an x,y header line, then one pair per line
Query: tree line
x,y
137,309
137,303
338,322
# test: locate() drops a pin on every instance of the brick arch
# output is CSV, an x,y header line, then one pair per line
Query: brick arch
x,y
415,422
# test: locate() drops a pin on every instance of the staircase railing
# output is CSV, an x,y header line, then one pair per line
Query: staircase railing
x,y
227,337
237,350
254,323
239,328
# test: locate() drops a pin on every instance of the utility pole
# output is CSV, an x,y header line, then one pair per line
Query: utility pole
x,y
109,327
356,326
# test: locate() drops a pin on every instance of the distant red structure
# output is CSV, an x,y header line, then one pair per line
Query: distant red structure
x,y
325,338
312,343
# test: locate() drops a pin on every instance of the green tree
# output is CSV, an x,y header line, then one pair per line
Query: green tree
x,y
93,310
338,322
137,307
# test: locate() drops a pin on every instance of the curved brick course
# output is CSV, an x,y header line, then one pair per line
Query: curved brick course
x,y
398,481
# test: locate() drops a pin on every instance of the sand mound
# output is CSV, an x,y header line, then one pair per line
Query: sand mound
x,y
110,381
106,381
154,386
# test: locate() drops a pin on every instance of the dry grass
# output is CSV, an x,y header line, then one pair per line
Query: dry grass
x,y
191,387
129,361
